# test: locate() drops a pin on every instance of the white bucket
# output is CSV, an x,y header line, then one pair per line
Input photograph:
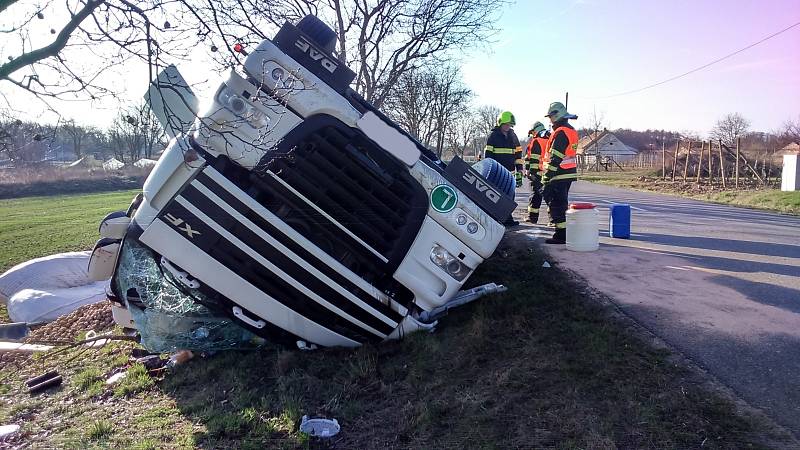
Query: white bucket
x,y
582,232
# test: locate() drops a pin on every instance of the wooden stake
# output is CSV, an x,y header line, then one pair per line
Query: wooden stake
x,y
686,164
710,165
700,161
663,159
721,166
675,159
736,176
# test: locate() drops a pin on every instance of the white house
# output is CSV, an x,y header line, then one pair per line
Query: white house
x,y
607,145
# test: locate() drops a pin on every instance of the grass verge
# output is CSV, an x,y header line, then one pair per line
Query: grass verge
x,y
757,198
521,369
541,365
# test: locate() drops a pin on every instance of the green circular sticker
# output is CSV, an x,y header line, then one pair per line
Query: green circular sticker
x,y
443,198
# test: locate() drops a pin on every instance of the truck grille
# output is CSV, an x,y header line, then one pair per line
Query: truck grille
x,y
343,193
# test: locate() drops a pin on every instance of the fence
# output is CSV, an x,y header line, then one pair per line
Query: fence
x,y
713,163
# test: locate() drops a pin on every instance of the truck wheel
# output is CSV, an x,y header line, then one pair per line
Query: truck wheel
x,y
318,32
497,175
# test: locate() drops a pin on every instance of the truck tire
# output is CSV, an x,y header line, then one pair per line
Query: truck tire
x,y
497,175
320,33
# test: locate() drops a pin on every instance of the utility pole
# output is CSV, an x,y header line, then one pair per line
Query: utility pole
x,y
566,102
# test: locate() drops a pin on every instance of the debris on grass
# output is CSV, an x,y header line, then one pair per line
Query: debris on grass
x,y
113,379
8,431
322,428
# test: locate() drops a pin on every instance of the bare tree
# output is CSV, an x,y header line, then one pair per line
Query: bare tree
x,y
410,104
463,133
597,120
77,134
23,142
487,118
730,128
90,37
380,39
791,131
135,133
451,99
426,102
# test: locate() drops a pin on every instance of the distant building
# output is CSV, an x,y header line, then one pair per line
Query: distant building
x,y
607,145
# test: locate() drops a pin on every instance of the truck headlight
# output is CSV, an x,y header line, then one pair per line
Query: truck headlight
x,y
449,263
242,108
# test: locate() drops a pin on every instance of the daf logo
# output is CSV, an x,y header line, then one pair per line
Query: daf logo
x,y
315,54
490,193
186,227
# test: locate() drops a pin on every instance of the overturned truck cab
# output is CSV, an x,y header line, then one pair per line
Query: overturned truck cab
x,y
299,211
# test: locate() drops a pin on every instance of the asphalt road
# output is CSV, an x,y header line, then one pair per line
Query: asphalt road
x,y
721,284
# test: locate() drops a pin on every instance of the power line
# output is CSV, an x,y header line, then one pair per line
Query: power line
x,y
699,68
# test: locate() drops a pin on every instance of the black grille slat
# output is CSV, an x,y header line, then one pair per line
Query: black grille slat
x,y
356,183
338,160
274,195
315,260
377,200
332,200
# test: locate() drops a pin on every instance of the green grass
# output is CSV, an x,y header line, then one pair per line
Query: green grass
x,y
541,365
100,429
135,381
38,226
90,380
769,199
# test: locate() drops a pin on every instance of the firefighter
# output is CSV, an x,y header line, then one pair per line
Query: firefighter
x,y
560,170
504,147
537,142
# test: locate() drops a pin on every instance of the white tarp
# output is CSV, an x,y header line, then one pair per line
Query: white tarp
x,y
144,162
43,289
86,161
113,164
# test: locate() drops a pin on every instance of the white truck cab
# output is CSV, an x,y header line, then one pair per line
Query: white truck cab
x,y
302,212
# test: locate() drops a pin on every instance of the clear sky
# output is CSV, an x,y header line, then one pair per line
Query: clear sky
x,y
597,48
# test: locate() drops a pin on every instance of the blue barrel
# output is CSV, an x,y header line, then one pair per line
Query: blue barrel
x,y
619,221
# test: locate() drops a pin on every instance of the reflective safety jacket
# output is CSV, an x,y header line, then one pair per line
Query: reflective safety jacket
x,y
536,147
561,153
505,148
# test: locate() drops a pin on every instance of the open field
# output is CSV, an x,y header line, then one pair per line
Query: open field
x,y
39,226
762,198
542,365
